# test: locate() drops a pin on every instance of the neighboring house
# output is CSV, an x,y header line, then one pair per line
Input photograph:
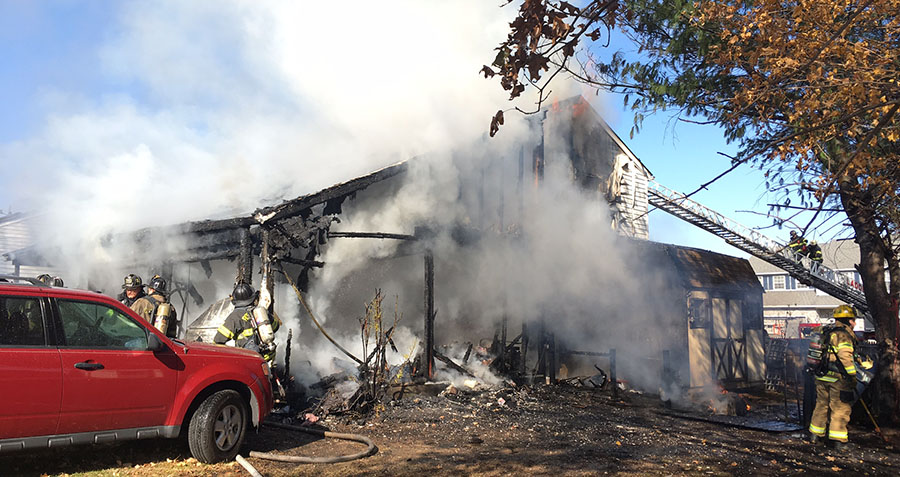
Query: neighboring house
x,y
791,308
17,232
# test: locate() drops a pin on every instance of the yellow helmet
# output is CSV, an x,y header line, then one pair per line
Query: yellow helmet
x,y
844,311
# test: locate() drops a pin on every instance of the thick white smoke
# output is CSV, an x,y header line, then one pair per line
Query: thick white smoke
x,y
224,106
537,254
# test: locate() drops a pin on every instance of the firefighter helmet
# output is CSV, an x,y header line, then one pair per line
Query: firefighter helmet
x,y
814,243
132,281
45,278
243,295
844,312
793,234
157,283
58,282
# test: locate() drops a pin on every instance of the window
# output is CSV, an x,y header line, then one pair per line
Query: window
x,y
778,282
21,321
752,314
89,325
698,313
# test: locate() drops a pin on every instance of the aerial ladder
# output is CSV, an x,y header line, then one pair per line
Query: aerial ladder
x,y
751,241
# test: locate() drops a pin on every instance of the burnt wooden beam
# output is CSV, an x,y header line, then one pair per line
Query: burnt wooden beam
x,y
513,343
378,235
202,255
522,367
429,315
286,209
612,373
503,325
586,353
205,226
245,260
449,362
300,261
296,206
207,268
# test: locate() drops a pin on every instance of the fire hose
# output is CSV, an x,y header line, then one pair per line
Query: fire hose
x,y
318,325
371,448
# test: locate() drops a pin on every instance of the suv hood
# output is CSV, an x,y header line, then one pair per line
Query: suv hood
x,y
196,347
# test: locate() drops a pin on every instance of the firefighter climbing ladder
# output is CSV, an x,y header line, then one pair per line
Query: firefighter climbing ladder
x,y
756,244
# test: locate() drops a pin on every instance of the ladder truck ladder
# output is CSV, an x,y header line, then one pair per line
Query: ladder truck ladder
x,y
751,241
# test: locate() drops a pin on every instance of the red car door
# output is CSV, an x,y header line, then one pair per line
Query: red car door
x,y
110,379
30,374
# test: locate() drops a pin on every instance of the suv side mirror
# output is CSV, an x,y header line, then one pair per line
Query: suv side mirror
x,y
154,343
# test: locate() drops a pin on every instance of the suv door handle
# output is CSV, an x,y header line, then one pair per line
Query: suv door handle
x,y
89,366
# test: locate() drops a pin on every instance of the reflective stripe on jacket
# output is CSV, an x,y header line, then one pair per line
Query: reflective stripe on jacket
x,y
237,327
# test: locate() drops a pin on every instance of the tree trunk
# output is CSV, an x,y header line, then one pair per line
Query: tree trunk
x,y
860,209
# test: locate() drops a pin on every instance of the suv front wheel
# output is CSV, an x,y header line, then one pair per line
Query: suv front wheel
x,y
218,428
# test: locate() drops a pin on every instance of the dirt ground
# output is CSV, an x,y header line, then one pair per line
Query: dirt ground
x,y
542,431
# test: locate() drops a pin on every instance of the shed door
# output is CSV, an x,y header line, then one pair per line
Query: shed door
x,y
728,343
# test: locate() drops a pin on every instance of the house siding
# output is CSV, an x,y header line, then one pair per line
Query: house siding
x,y
16,232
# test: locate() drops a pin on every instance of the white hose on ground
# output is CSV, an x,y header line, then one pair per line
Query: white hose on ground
x,y
247,466
370,450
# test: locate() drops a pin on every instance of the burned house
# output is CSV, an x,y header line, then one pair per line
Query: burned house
x,y
573,132
520,249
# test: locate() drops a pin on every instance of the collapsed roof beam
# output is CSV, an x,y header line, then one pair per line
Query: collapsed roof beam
x,y
296,206
378,235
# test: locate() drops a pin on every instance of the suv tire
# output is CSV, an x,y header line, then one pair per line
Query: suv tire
x,y
218,428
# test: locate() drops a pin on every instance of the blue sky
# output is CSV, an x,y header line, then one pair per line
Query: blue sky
x,y
45,47
62,58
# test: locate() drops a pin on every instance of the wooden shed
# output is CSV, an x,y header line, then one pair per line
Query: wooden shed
x,y
712,309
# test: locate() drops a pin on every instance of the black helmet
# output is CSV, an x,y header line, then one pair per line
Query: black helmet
x,y
132,281
46,279
243,295
157,283
58,282
793,233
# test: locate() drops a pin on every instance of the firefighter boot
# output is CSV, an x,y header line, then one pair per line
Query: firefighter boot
x,y
840,446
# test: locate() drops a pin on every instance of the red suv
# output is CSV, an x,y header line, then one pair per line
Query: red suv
x,y
78,367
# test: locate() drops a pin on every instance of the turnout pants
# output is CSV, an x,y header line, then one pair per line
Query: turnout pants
x,y
834,398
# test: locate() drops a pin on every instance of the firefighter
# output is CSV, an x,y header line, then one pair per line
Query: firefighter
x,y
46,279
248,325
132,290
797,244
835,390
156,309
814,252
